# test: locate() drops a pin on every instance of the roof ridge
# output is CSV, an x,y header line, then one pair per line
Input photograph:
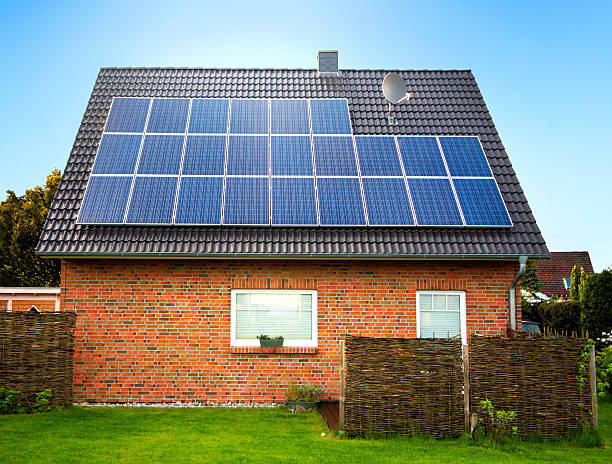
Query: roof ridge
x,y
181,68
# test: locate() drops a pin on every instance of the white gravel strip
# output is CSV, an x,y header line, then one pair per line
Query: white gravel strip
x,y
178,405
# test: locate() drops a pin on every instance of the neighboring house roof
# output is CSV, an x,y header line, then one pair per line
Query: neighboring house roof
x,y
443,103
553,271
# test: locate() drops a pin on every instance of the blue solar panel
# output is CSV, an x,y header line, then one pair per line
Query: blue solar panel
x,y
161,154
117,154
387,202
152,200
481,202
249,117
291,156
421,156
340,201
246,201
293,201
128,115
105,200
289,117
464,157
378,156
330,117
247,155
208,116
168,115
199,200
335,156
204,155
434,202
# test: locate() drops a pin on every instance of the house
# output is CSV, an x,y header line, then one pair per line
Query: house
x,y
169,310
555,273
39,299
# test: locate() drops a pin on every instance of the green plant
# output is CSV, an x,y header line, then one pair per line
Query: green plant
x,y
498,424
530,280
42,401
8,401
574,284
563,316
267,337
305,393
597,307
603,361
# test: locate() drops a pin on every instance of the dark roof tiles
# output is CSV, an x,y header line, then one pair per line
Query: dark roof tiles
x,y
443,103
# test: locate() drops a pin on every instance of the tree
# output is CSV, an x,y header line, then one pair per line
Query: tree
x,y
574,284
21,222
582,284
597,310
530,280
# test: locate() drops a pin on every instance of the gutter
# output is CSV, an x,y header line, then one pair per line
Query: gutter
x,y
512,294
347,256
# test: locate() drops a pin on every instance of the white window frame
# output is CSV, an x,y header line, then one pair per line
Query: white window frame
x,y
291,343
462,311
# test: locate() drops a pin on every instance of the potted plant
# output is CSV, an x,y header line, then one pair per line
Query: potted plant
x,y
265,341
304,398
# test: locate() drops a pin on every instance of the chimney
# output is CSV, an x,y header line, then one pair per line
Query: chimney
x,y
327,63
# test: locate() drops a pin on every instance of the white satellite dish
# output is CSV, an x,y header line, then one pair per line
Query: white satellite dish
x,y
395,91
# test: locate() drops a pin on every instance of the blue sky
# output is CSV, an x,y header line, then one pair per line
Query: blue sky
x,y
544,69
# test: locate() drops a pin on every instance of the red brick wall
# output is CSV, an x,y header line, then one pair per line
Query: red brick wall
x,y
159,330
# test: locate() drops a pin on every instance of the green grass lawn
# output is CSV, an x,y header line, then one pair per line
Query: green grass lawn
x,y
245,435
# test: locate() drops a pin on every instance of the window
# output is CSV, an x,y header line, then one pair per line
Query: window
x,y
290,313
441,314
567,283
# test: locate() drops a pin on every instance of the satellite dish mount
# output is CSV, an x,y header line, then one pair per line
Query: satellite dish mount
x,y
395,91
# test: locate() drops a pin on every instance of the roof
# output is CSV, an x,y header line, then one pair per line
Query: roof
x,y
551,272
443,103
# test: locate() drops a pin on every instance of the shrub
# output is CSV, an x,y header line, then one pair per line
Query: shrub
x,y
303,393
603,360
42,401
597,305
498,424
560,315
8,401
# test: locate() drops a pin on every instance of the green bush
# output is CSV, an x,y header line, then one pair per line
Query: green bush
x,y
597,304
303,393
560,315
603,360
8,401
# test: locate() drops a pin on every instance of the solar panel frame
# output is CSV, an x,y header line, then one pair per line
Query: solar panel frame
x,y
146,201
241,122
336,189
247,158
291,155
161,154
370,165
201,120
135,124
204,159
299,202
190,189
321,125
235,186
396,207
421,156
427,208
168,116
117,154
327,152
279,109
478,163
474,194
116,198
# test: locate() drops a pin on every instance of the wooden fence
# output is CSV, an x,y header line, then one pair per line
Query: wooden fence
x,y
403,386
536,377
36,353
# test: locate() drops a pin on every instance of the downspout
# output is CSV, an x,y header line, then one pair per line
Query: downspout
x,y
521,271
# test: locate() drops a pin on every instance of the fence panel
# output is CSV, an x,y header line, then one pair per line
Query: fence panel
x,y
536,377
36,353
403,386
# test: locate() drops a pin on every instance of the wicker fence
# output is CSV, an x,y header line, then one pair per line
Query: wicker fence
x,y
36,353
403,386
536,377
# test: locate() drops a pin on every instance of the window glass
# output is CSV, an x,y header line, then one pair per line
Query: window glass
x,y
439,315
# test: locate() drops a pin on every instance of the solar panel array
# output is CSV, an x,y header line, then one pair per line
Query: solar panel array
x,y
280,162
